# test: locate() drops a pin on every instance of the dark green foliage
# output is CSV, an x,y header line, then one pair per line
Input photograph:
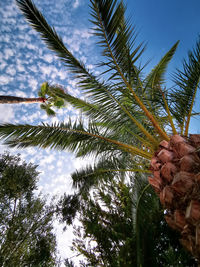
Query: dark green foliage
x,y
17,178
67,208
69,263
155,241
125,227
26,237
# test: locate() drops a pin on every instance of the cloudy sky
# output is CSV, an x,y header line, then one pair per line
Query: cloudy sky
x,y
25,63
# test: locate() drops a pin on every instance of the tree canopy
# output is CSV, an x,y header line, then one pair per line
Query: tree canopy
x,y
26,237
122,225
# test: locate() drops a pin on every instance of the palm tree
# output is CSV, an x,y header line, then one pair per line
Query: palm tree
x,y
5,99
132,121
46,97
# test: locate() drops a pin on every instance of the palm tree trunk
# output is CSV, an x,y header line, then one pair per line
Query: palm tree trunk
x,y
17,100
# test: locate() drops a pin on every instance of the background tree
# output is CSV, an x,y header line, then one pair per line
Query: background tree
x,y
26,237
122,225
131,118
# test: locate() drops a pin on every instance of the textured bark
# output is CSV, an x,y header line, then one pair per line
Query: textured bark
x,y
17,100
176,179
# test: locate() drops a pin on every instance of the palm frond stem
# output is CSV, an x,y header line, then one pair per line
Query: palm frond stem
x,y
190,111
124,146
142,140
139,125
168,112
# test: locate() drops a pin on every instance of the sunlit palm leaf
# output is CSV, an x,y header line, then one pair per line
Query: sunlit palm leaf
x,y
112,111
73,137
99,91
117,37
187,81
156,78
153,91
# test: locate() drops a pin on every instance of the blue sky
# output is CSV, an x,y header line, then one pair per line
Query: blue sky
x,y
162,23
25,63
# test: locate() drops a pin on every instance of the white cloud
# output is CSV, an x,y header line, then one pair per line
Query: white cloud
x,y
20,93
34,116
31,46
33,83
76,3
5,79
84,33
79,37
3,64
44,117
22,27
47,160
8,53
63,74
46,70
6,113
33,68
48,58
11,70
59,163
19,65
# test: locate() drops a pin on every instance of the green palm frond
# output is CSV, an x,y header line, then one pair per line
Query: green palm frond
x,y
84,179
76,102
107,20
153,92
87,80
187,80
106,169
156,77
146,210
125,112
117,37
112,110
73,137
100,91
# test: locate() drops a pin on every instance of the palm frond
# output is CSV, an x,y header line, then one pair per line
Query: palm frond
x,y
156,77
187,83
87,81
73,137
116,35
101,9
146,207
153,92
106,169
112,110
